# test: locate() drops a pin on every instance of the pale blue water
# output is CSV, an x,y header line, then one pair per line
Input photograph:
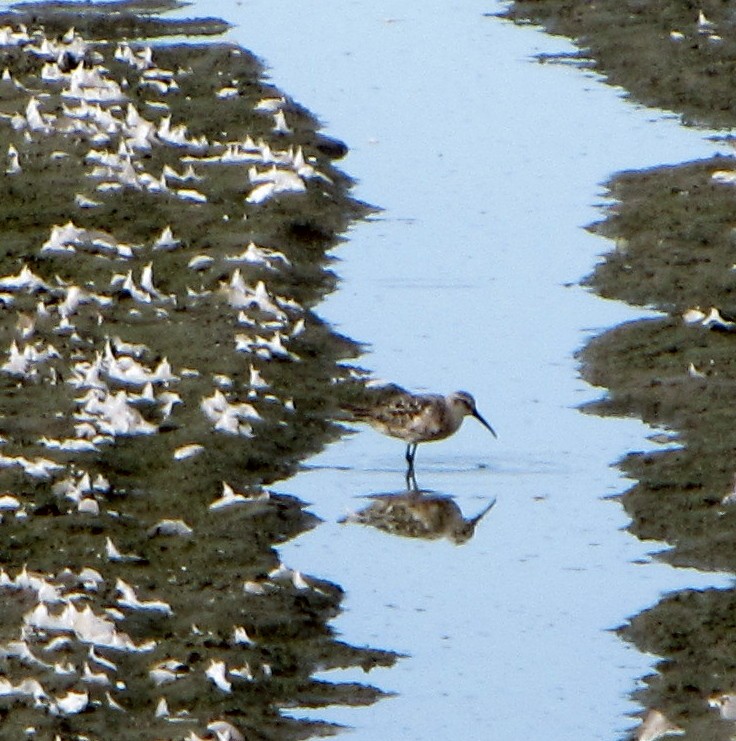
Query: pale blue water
x,y
487,165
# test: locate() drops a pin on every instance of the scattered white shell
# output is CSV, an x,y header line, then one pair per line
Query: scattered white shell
x,y
216,674
225,731
8,502
128,598
89,506
71,703
200,262
188,451
170,527
241,636
227,92
166,240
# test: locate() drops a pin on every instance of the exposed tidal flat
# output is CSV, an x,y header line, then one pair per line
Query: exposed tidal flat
x,y
673,229
674,234
167,522
166,218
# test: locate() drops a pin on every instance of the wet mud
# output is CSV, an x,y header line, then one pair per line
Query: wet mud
x,y
167,219
673,231
673,235
679,56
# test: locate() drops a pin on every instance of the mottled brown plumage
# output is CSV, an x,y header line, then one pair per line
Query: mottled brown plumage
x,y
418,418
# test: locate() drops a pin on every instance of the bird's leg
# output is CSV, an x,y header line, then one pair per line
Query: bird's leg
x,y
411,480
411,451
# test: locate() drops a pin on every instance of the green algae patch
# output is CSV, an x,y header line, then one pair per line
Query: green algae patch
x,y
166,223
676,56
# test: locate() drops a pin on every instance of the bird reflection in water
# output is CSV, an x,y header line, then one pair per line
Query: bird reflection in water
x,y
418,513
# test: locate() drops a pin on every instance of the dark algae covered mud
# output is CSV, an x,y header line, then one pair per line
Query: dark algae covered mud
x,y
673,230
166,218
679,56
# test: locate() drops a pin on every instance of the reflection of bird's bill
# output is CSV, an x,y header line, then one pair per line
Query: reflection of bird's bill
x,y
475,520
485,424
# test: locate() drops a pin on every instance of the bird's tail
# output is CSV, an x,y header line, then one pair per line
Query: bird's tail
x,y
360,404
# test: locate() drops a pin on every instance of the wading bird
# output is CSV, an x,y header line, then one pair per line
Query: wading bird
x,y
418,418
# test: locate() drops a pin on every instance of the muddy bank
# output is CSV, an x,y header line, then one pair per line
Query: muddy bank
x,y
674,238
166,225
676,56
695,680
673,229
673,234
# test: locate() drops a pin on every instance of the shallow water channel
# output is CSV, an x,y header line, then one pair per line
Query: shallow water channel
x,y
487,165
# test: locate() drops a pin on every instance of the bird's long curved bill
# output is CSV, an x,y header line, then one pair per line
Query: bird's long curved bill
x,y
485,424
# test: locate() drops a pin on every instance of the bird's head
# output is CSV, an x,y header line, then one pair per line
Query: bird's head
x,y
463,404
